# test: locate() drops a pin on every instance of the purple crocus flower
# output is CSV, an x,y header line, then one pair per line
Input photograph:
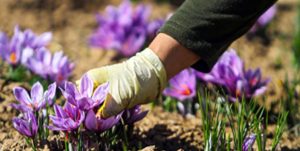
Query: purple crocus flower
x,y
13,52
255,85
68,118
134,114
37,41
26,125
28,49
246,87
40,63
22,45
99,125
3,44
124,29
264,19
182,86
56,68
37,99
154,26
61,68
229,65
248,142
85,98
229,73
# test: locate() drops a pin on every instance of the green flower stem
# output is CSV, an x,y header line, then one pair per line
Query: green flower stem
x,y
67,141
34,144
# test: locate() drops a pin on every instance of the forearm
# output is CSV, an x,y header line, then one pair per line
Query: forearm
x,y
173,55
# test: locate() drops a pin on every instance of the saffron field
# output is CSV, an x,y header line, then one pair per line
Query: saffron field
x,y
249,101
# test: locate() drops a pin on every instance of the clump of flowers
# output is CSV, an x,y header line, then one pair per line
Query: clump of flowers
x,y
80,108
183,88
26,49
18,49
76,117
124,29
238,83
264,20
34,110
56,67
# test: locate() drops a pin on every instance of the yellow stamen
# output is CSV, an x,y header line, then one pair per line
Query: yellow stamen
x,y
13,58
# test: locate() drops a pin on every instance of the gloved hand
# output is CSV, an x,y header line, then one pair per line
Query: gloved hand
x,y
135,81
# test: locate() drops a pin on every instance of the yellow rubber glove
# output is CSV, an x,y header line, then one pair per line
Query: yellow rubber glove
x,y
138,80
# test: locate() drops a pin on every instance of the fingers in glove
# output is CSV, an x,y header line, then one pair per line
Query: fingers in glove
x,y
109,108
99,76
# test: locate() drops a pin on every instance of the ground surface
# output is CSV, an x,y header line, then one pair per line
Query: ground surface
x,y
159,130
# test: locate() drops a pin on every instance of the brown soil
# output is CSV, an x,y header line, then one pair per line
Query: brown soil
x,y
72,24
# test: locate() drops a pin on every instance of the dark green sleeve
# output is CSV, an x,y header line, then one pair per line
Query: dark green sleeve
x,y
208,27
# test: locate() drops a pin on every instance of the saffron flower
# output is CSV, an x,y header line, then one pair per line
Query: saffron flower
x,y
37,99
229,65
182,86
28,49
3,44
68,118
264,19
37,41
133,115
85,98
229,73
99,125
154,26
19,48
248,142
124,29
26,125
254,84
57,68
13,50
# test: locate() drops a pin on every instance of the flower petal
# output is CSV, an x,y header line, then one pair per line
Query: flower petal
x,y
85,103
22,96
50,94
37,93
86,86
91,121
137,117
21,107
100,93
59,112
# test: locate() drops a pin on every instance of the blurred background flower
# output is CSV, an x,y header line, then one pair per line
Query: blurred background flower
x,y
264,20
56,67
17,49
124,29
